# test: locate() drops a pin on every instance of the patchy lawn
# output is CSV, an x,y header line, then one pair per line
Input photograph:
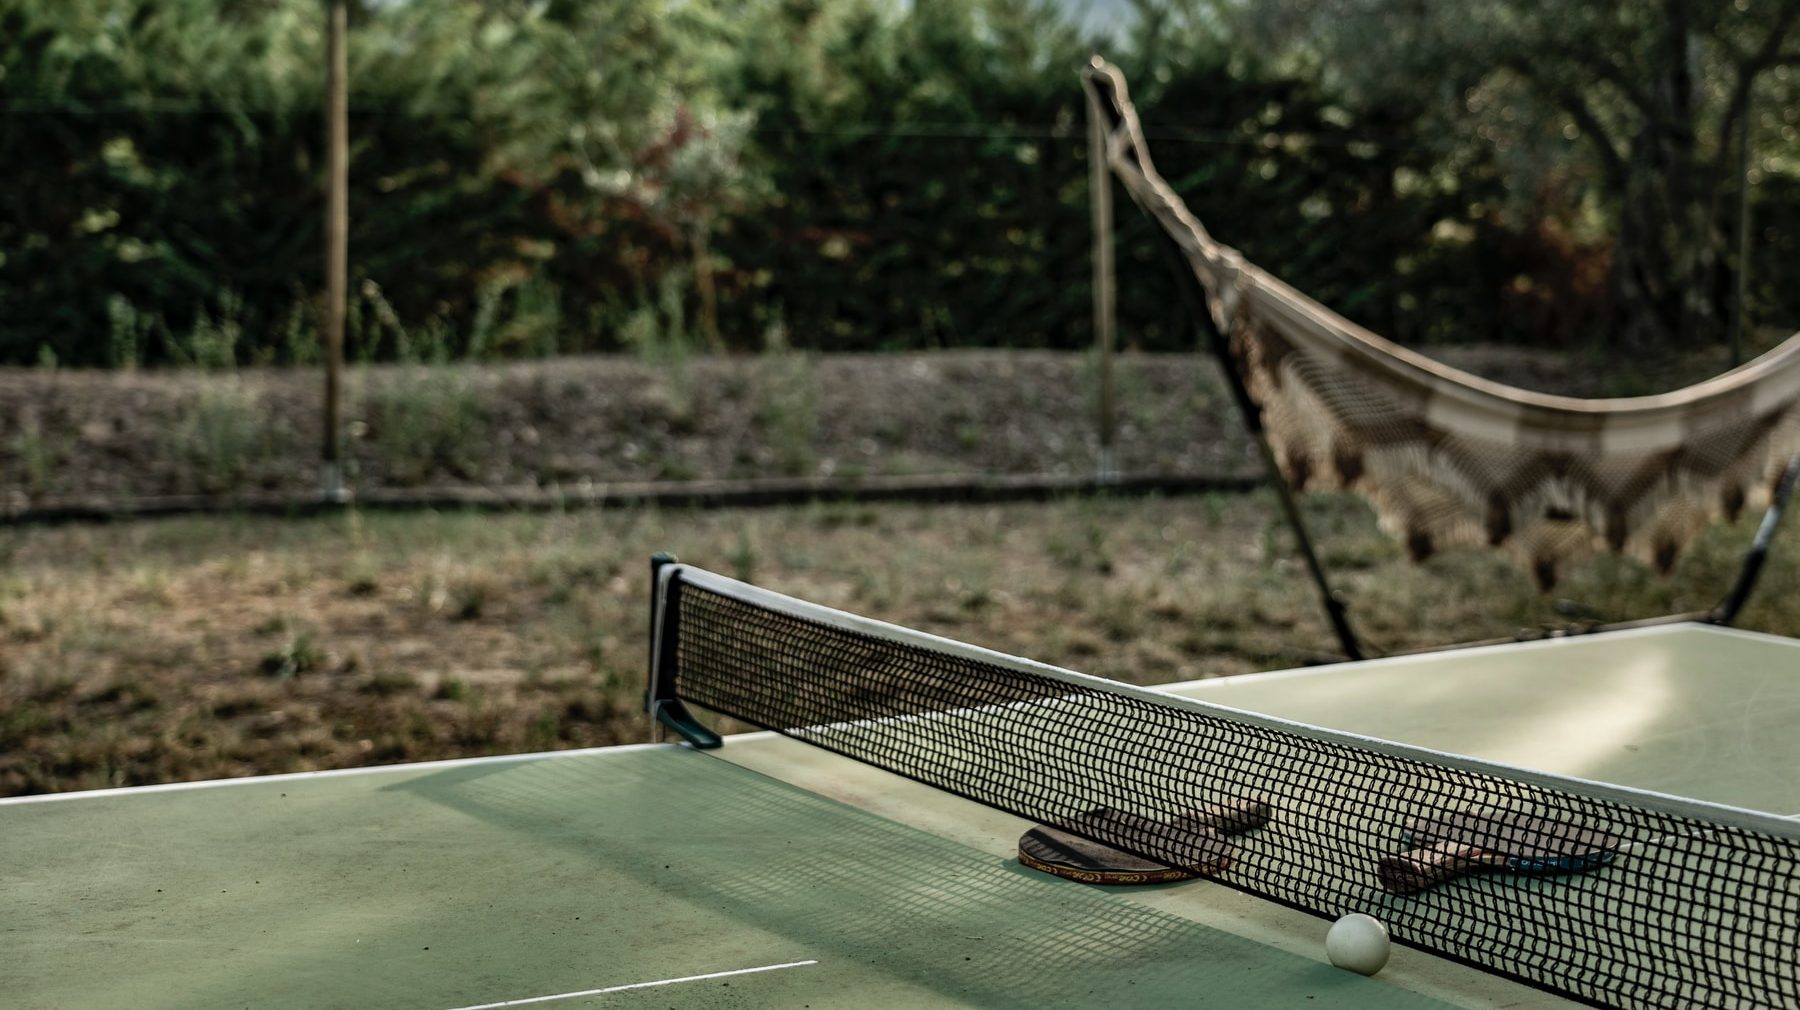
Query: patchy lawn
x,y
196,648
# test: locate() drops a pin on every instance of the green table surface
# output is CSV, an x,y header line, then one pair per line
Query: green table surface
x,y
653,871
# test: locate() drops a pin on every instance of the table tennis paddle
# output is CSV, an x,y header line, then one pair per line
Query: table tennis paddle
x,y
1451,845
1198,844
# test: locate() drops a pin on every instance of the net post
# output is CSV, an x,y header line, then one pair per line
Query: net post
x,y
660,699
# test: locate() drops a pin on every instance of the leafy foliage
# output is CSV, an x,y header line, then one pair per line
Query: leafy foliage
x,y
124,190
927,176
1345,201
535,177
1628,110
165,159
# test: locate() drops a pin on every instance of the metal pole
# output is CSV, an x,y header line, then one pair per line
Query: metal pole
x,y
1336,613
1105,297
337,242
1726,612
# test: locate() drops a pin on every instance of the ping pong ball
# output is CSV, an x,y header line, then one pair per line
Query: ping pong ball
x,y
1357,943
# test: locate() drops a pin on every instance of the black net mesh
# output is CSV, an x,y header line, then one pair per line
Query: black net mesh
x,y
1668,908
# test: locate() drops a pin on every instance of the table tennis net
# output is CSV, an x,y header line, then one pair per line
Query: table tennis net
x,y
1680,903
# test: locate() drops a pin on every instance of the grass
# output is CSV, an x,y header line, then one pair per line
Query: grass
x,y
190,648
787,410
38,458
431,421
222,434
659,334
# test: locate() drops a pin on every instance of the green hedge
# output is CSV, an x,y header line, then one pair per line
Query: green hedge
x,y
611,174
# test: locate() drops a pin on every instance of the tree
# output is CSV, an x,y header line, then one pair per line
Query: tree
x,y
1648,95
164,156
924,160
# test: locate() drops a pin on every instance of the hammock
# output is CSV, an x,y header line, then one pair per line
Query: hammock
x,y
1451,459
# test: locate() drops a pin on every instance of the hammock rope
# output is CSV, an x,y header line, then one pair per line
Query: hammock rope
x,y
1450,459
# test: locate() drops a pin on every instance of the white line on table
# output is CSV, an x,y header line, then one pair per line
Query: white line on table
x,y
636,985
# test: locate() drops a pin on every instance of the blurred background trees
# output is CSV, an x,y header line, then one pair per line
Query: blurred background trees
x,y
1621,124
553,176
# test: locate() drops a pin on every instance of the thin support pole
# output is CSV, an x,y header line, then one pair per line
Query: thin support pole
x,y
337,243
1741,299
1727,611
1105,288
1335,612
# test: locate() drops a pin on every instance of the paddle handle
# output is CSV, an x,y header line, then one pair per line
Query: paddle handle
x,y
1424,868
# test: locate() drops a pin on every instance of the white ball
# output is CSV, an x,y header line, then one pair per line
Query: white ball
x,y
1357,943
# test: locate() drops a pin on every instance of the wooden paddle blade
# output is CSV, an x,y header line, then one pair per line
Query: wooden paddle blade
x,y
1060,854
1536,844
1233,817
1187,846
1425,868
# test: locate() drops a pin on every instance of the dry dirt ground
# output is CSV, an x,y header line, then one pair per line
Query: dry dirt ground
x,y
75,434
187,648
200,647
118,435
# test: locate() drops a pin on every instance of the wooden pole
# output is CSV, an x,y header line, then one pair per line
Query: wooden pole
x,y
337,241
1741,298
1105,298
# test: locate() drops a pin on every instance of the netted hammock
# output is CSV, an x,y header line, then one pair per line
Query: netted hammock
x,y
1451,459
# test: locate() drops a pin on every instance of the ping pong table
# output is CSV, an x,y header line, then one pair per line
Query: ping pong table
x,y
770,872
